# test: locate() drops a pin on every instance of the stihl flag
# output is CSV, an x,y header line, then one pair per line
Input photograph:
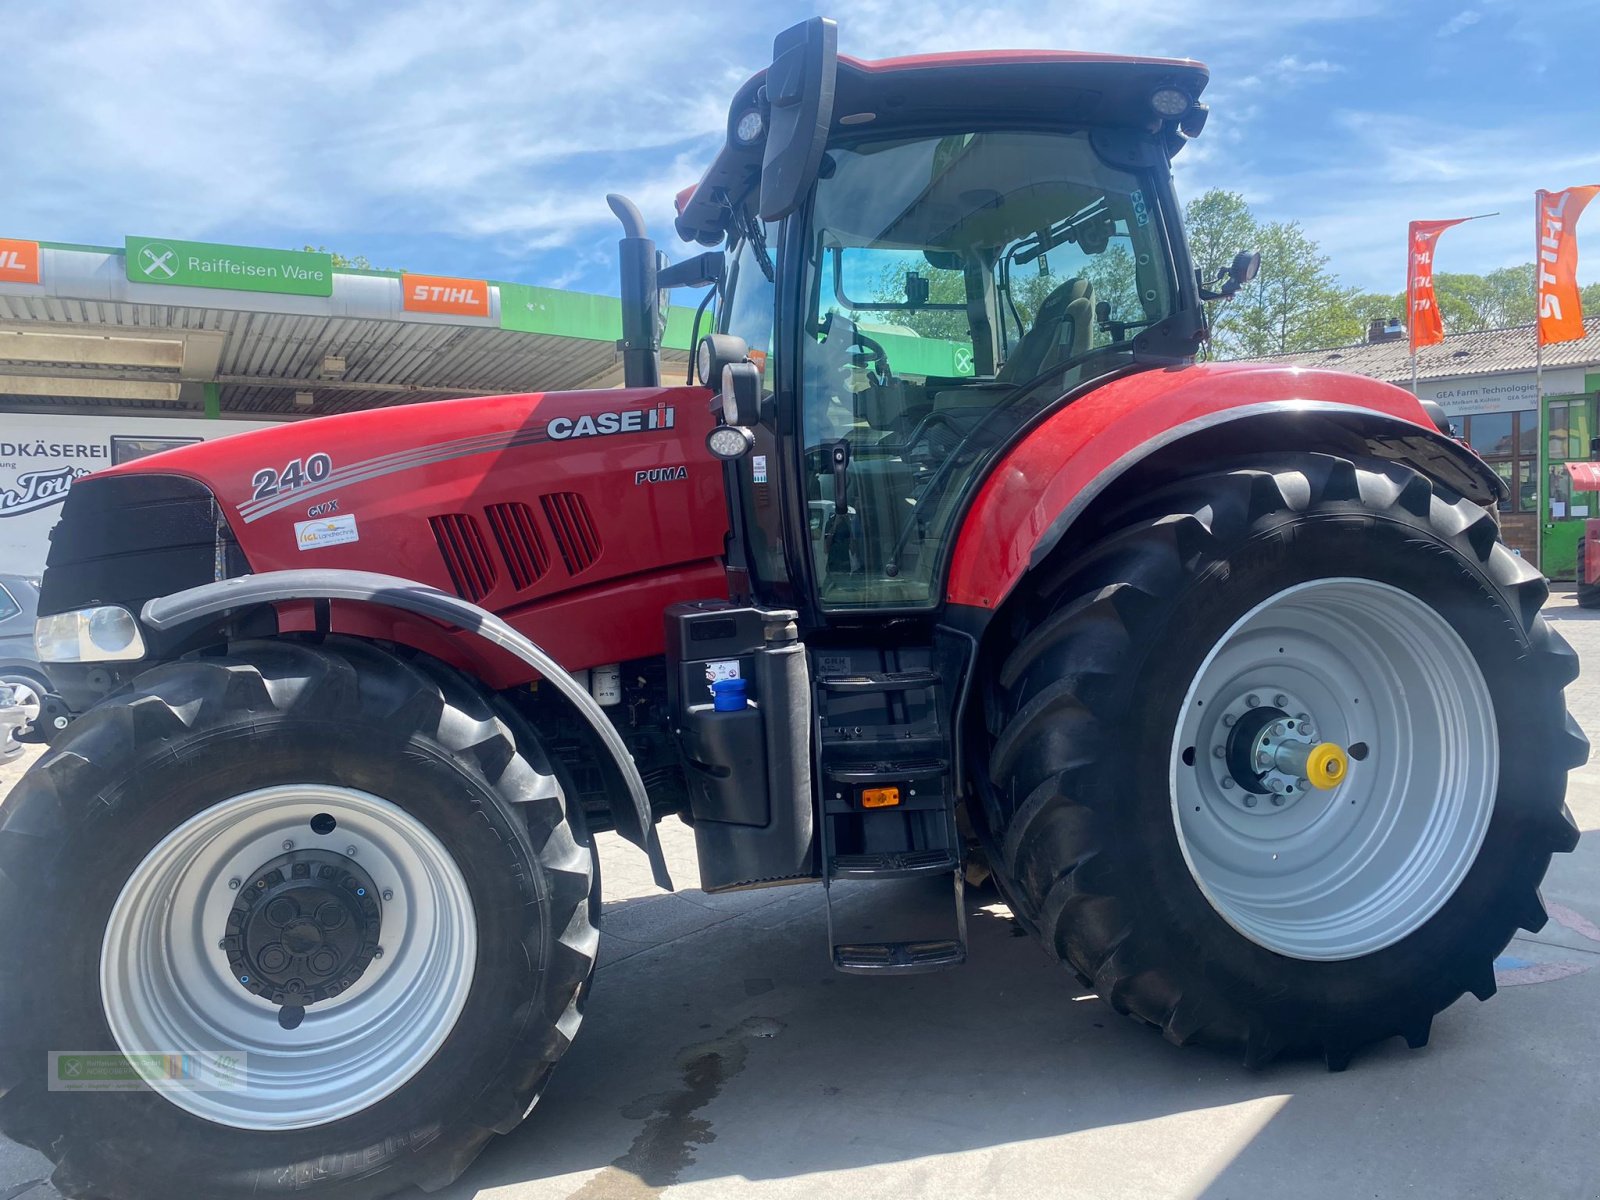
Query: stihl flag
x,y
1427,327
1556,279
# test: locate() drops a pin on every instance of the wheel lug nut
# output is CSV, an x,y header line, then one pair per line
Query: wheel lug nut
x,y
1249,801
349,851
1253,700
1228,719
1218,752
378,953
1227,785
1280,700
235,884
388,893
288,843
1277,799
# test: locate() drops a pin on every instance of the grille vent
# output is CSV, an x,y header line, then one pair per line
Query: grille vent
x,y
466,556
573,527
519,541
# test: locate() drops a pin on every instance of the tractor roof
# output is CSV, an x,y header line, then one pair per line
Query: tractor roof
x,y
963,91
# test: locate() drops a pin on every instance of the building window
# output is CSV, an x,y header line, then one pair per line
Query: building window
x,y
1508,442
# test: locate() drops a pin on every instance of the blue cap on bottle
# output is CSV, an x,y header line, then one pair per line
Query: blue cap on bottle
x,y
727,695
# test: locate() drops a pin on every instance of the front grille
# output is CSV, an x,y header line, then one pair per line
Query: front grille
x,y
466,556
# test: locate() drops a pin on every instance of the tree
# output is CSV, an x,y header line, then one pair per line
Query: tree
x,y
359,263
1294,303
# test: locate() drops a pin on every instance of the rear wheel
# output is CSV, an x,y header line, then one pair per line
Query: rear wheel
x,y
330,875
1280,762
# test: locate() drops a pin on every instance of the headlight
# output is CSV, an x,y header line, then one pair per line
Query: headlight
x,y
1170,102
728,442
750,128
105,634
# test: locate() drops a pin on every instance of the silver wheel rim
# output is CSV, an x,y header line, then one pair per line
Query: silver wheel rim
x,y
167,986
27,697
1342,872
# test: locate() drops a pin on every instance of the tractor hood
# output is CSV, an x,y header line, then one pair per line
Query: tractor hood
x,y
521,504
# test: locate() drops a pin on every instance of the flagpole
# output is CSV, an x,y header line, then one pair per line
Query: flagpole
x,y
1541,485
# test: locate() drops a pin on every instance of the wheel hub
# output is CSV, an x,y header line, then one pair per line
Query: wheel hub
x,y
304,928
1266,755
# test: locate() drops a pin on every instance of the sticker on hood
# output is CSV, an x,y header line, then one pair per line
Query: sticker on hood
x,y
329,531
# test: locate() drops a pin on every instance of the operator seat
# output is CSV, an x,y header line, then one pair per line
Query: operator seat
x,y
1061,328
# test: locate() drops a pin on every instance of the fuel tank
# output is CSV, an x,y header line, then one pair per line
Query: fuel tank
x,y
578,516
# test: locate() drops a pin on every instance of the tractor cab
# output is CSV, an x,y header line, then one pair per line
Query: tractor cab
x,y
924,255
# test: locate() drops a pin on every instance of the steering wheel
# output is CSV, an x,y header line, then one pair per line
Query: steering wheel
x,y
874,348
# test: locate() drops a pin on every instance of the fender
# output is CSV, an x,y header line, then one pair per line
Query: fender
x,y
1048,480
166,613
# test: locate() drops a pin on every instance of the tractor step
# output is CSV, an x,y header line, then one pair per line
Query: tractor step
x,y
891,853
909,958
907,925
901,864
867,682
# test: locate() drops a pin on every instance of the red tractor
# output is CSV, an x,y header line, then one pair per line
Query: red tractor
x,y
954,558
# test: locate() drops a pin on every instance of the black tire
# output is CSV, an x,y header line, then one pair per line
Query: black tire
x,y
1089,683
182,737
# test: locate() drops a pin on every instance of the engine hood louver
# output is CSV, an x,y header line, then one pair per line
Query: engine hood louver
x,y
466,555
577,539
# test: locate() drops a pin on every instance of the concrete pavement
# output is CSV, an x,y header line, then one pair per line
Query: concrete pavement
x,y
722,1055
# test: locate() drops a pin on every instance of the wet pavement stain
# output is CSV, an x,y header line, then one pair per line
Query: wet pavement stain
x,y
665,1145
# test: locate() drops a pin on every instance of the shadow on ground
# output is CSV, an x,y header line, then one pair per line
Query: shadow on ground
x,y
734,1055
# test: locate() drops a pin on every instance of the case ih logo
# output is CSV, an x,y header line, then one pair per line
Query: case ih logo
x,y
637,420
443,294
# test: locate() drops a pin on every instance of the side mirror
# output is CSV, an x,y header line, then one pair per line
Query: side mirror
x,y
799,87
741,394
1246,264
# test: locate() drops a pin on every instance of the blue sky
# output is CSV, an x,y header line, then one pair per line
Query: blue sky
x,y
479,139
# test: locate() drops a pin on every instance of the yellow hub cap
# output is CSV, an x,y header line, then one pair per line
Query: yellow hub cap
x,y
1326,766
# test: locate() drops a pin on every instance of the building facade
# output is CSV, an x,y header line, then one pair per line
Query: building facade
x,y
1527,423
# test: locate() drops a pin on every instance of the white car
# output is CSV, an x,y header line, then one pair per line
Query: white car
x,y
13,720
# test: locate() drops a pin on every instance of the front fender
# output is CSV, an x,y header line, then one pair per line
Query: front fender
x,y
1048,481
166,613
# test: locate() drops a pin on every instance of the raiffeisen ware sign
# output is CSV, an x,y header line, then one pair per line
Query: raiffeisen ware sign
x,y
237,268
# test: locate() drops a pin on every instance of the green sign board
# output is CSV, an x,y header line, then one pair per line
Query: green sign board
x,y
236,268
532,309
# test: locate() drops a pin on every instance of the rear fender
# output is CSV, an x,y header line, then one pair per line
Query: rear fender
x,y
198,607
1143,429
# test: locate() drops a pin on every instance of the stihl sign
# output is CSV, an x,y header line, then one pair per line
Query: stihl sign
x,y
442,294
19,261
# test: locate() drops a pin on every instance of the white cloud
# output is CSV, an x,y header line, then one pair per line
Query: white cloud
x,y
1466,17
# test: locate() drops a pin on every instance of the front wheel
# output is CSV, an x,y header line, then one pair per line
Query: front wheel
x,y
1281,761
315,900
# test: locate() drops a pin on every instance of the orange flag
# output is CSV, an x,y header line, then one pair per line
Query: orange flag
x,y
1556,280
1427,328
